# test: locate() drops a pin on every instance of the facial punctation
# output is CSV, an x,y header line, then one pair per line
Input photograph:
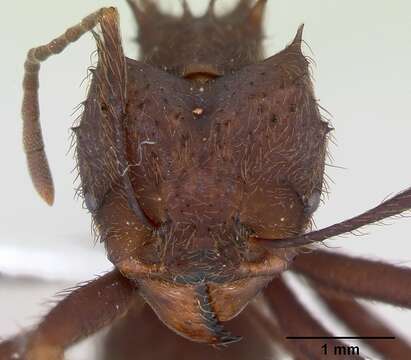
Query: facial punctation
x,y
202,165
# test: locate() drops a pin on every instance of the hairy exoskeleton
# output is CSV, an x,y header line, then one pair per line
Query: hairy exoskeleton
x,y
202,165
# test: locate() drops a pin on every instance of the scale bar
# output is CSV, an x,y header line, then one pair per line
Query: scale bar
x,y
341,337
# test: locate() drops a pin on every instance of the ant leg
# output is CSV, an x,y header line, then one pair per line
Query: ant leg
x,y
32,135
362,322
294,320
84,311
273,331
12,348
357,277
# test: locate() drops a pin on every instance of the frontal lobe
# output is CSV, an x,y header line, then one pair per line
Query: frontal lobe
x,y
271,132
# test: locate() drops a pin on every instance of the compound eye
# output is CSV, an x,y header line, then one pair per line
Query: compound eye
x,y
91,202
312,202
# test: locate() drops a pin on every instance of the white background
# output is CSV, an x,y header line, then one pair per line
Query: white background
x,y
362,51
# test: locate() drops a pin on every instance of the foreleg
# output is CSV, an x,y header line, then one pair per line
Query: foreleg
x,y
272,331
294,320
367,279
83,312
363,323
